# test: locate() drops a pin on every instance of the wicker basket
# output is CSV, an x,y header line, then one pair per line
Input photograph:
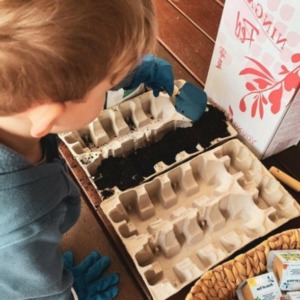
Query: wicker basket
x,y
222,281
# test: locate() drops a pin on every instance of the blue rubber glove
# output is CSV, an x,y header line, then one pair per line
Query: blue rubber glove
x,y
89,283
155,73
191,101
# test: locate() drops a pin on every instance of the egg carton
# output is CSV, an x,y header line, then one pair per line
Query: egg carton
x,y
190,218
131,125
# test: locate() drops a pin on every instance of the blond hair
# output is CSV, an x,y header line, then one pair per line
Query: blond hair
x,y
59,49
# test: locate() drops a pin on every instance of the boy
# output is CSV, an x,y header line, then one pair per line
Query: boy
x,y
57,61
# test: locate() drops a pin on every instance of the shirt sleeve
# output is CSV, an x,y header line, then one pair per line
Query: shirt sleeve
x,y
37,207
32,266
126,82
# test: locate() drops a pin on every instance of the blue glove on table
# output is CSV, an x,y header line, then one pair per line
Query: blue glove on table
x,y
89,283
155,73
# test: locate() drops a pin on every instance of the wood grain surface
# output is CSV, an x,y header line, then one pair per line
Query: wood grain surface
x,y
187,31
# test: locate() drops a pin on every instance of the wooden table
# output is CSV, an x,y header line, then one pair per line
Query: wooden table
x,y
187,32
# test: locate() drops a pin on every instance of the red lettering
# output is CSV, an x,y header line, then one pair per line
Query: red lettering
x,y
281,41
259,11
267,23
245,30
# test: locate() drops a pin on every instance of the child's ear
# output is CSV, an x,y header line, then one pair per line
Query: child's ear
x,y
43,117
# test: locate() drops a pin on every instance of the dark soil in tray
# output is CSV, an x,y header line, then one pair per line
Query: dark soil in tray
x,y
130,171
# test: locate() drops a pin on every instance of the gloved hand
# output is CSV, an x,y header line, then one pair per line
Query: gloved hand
x,y
191,101
155,73
89,283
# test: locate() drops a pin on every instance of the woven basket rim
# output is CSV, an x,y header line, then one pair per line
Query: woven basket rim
x,y
222,281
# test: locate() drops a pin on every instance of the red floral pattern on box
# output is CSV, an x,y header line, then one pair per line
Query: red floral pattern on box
x,y
264,90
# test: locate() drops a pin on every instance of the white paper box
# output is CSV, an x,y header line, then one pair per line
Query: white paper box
x,y
254,72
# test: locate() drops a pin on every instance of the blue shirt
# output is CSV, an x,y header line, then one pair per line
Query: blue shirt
x,y
38,204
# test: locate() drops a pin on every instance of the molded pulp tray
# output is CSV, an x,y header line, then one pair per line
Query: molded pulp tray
x,y
188,219
187,216
122,129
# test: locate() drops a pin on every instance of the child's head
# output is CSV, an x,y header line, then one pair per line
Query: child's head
x,y
52,50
